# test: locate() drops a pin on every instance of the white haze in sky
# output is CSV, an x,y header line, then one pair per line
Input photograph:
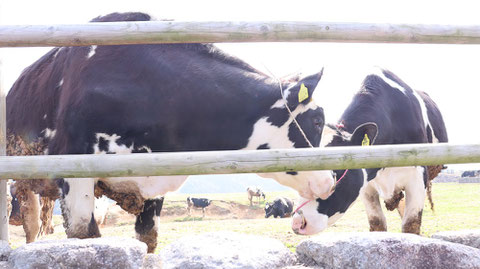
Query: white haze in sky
x,y
450,74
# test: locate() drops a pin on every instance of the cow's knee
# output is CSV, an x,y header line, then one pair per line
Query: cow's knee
x,y
146,224
78,204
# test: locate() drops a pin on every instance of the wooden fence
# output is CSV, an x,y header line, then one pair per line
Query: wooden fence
x,y
225,161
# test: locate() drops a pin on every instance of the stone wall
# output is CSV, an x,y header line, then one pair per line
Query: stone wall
x,y
234,250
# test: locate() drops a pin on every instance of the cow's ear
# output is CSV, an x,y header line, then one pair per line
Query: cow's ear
x,y
302,91
365,134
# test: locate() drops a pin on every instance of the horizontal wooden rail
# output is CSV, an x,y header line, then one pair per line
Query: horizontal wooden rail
x,y
237,161
117,33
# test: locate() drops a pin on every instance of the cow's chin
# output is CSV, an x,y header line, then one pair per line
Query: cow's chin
x,y
309,184
308,221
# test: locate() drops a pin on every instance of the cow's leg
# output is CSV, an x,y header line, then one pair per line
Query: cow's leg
x,y
30,213
203,212
401,208
146,225
78,204
46,215
414,203
375,215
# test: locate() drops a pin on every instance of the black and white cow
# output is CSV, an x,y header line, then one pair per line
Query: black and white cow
x,y
200,203
385,111
281,207
471,173
156,98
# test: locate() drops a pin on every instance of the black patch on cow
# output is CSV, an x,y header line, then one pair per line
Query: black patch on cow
x,y
199,202
429,134
372,173
293,173
281,207
63,186
158,206
102,144
312,122
144,222
346,192
278,116
264,146
93,228
425,176
127,16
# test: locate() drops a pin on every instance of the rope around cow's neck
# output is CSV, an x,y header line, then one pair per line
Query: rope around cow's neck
x,y
290,111
306,202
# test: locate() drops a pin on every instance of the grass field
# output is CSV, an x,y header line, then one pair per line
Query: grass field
x,y
457,207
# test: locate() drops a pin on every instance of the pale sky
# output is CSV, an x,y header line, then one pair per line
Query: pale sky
x,y
449,73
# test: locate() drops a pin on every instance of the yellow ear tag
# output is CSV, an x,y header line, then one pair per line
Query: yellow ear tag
x,y
302,93
365,141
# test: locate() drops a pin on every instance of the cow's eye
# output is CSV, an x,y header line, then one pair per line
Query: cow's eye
x,y
318,122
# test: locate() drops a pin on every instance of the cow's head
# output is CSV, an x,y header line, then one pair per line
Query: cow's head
x,y
278,129
316,215
268,210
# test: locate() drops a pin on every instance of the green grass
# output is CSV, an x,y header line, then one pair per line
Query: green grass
x,y
457,207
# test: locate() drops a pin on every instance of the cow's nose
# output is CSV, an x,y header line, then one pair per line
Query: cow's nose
x,y
298,223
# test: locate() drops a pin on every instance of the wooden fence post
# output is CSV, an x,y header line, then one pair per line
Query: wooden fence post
x,y
3,152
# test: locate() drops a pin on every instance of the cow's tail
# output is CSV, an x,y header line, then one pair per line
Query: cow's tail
x,y
433,172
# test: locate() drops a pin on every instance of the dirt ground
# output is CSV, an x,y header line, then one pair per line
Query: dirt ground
x,y
172,210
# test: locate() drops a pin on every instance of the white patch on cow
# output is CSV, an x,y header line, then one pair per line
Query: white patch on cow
x,y
390,179
49,133
113,146
45,116
276,137
58,51
80,201
414,194
92,51
379,72
423,108
147,187
101,209
334,218
147,149
327,136
60,83
316,222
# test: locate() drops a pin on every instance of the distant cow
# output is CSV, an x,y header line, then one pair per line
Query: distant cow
x,y
471,173
281,207
154,98
198,203
385,111
255,191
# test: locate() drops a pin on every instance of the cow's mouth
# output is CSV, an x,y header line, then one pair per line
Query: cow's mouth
x,y
304,222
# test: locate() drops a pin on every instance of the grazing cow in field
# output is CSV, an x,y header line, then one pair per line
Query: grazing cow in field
x,y
255,191
198,203
385,111
281,207
154,98
470,173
